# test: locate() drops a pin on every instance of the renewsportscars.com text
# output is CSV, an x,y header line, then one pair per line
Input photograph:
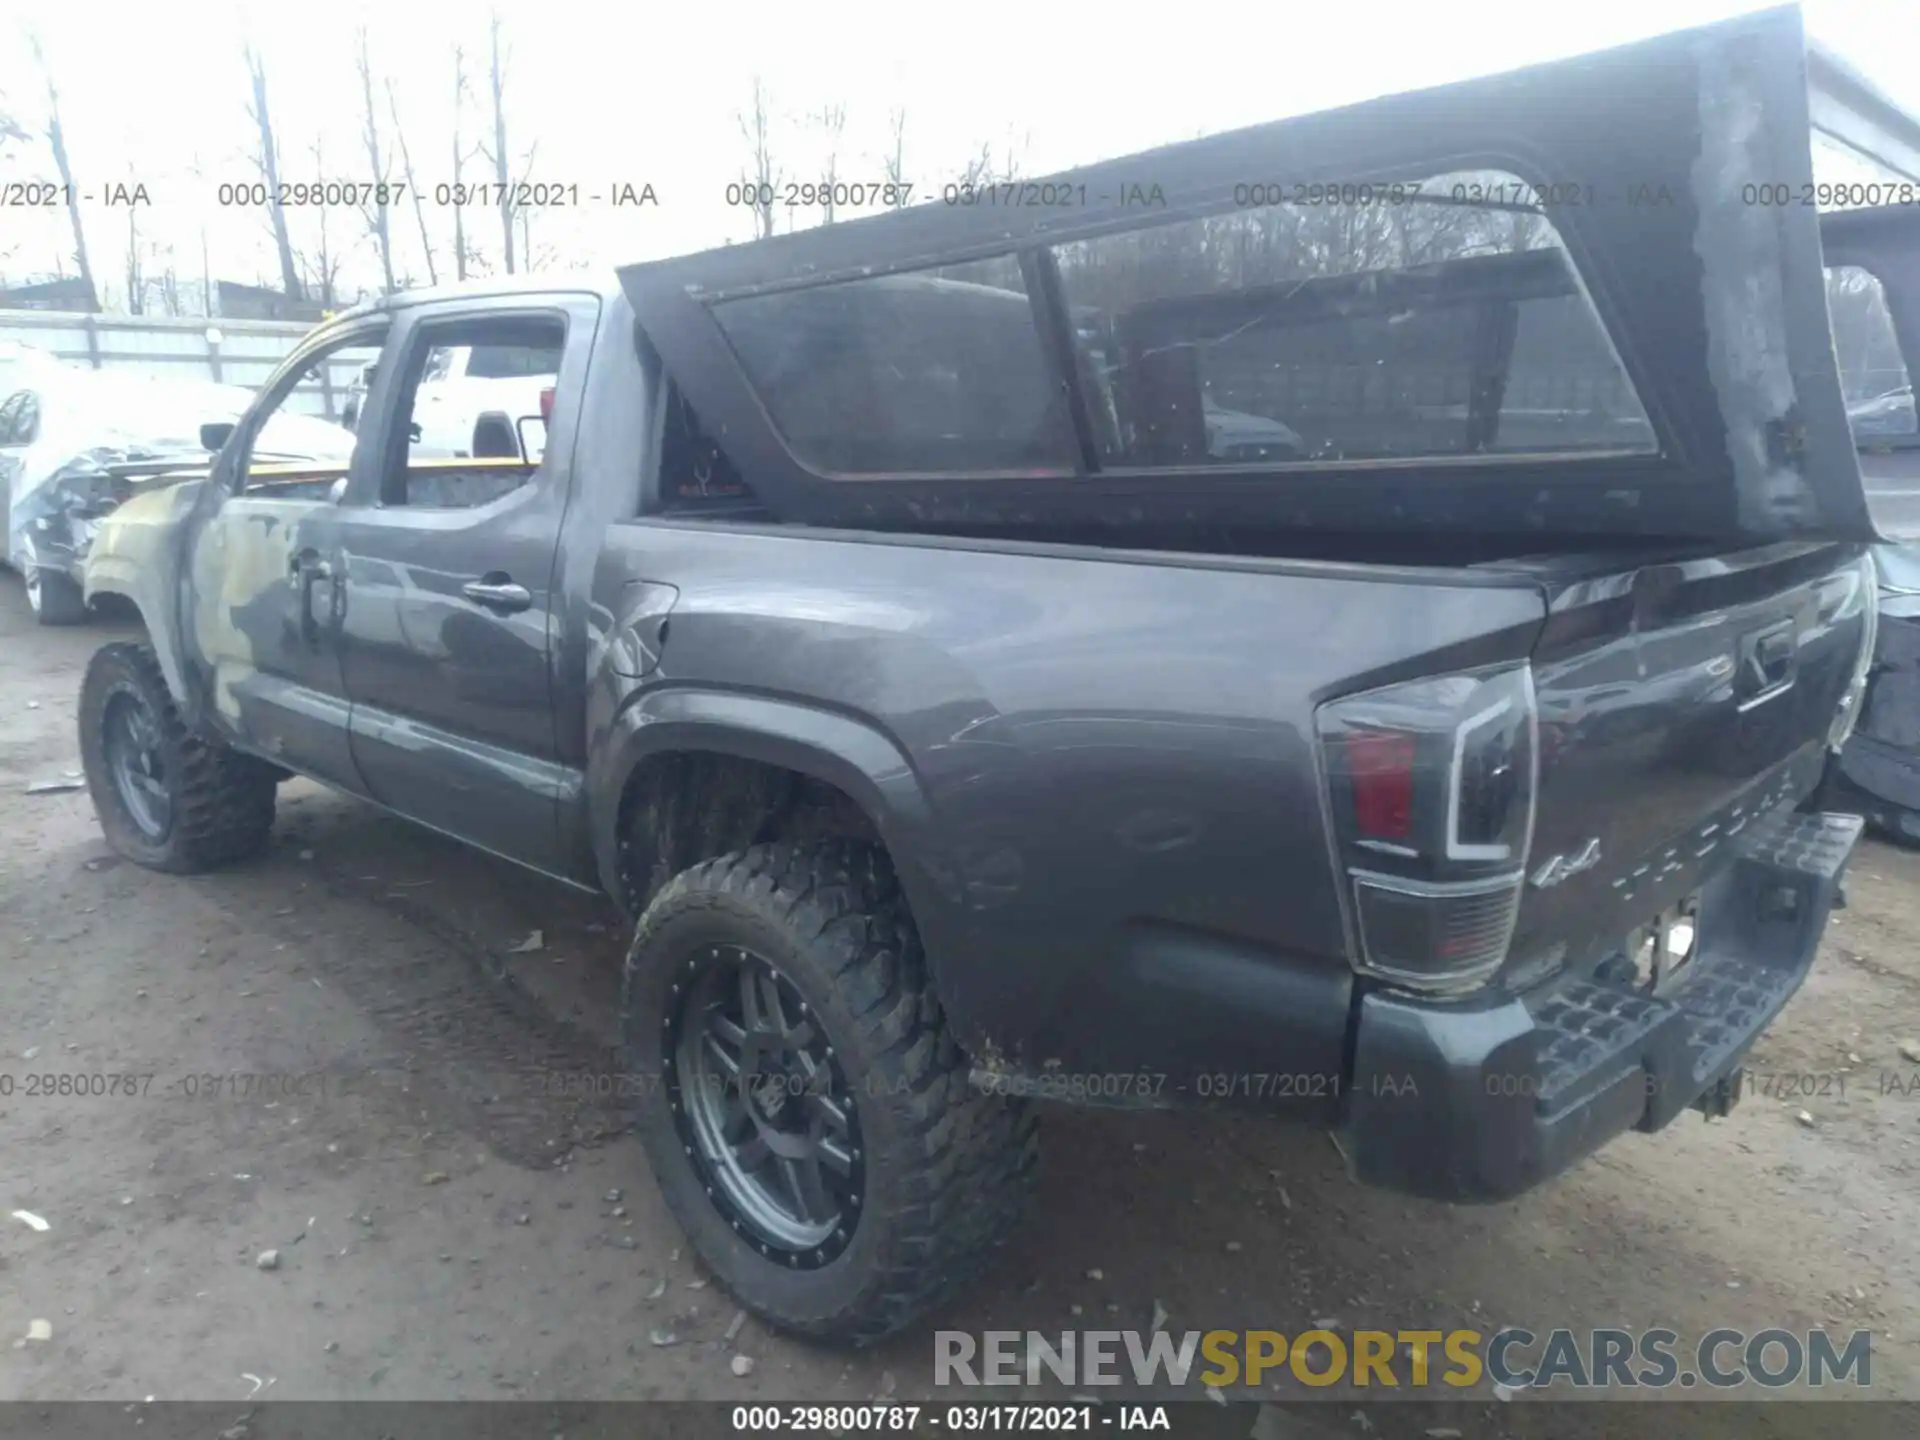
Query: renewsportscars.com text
x,y
1512,1356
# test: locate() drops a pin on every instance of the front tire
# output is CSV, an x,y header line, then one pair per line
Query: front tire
x,y
54,598
804,1106
166,799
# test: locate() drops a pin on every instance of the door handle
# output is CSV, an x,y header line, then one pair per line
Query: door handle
x,y
498,594
307,568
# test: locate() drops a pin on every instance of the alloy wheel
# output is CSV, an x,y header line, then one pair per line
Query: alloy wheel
x,y
136,760
763,1107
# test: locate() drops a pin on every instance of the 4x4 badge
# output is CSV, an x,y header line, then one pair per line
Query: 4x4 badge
x,y
1560,867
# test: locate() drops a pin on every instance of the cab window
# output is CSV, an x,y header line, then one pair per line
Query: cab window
x,y
291,450
457,448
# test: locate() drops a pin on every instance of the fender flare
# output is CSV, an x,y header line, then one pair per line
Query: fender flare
x,y
113,575
852,755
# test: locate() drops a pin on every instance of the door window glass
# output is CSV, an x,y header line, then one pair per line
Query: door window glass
x,y
468,446
291,452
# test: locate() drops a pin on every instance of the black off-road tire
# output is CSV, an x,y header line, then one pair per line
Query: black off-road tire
x,y
56,599
221,800
948,1169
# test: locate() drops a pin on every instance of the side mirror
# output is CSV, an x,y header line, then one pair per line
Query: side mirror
x,y
337,491
215,434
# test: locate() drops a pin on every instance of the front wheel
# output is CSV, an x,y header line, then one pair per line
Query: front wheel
x,y
805,1109
166,798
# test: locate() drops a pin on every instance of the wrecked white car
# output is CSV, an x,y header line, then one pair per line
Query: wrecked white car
x,y
75,444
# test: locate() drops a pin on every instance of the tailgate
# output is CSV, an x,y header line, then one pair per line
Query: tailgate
x,y
1670,171
1680,703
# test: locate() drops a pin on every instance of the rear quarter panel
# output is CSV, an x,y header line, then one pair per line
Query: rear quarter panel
x,y
1102,791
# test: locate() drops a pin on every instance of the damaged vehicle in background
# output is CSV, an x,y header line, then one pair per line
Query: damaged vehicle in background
x,y
1873,300
75,444
1877,773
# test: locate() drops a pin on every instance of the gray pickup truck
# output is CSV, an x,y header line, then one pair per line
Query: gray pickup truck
x,y
962,721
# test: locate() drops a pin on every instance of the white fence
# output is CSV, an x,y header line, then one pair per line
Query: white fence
x,y
232,352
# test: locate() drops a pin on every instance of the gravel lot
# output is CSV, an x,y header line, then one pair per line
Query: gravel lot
x,y
447,1227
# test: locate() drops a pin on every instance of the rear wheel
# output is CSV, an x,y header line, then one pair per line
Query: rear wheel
x,y
166,798
804,1107
55,599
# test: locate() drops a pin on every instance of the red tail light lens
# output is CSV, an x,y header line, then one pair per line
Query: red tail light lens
x,y
1430,789
546,405
1380,767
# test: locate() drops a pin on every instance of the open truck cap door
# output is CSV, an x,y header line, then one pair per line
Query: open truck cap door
x,y
1580,299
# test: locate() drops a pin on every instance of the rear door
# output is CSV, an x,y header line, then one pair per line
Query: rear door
x,y
447,615
1672,170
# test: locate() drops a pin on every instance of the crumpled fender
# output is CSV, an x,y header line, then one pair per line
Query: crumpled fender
x,y
54,509
136,554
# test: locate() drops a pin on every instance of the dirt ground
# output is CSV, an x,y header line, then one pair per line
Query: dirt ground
x,y
448,1226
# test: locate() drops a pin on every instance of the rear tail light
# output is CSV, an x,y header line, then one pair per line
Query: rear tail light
x,y
1856,697
1430,787
546,404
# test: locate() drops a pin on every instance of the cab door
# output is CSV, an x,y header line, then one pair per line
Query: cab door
x,y
259,623
448,605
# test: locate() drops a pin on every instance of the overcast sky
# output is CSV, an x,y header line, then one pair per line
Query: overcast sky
x,y
642,94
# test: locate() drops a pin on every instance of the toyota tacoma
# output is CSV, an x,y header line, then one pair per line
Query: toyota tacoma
x,y
960,725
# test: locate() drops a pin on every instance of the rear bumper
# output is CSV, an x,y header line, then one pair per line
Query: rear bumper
x,y
1480,1104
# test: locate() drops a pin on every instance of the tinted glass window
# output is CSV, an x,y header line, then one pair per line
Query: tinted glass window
x,y
1406,324
1873,374
936,371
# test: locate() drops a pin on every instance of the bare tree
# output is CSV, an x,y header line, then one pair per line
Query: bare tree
x,y
497,84
377,207
323,266
1013,159
756,127
831,121
170,299
267,161
57,138
461,255
10,132
979,169
534,258
136,278
413,187
984,170
195,169
895,163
